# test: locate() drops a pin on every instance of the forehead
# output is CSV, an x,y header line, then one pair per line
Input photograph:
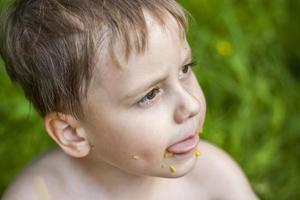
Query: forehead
x,y
165,47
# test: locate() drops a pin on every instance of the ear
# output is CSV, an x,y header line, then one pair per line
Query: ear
x,y
67,132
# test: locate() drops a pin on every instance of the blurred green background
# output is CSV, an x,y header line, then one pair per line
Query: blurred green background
x,y
248,54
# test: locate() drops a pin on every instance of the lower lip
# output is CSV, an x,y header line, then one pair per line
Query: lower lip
x,y
186,146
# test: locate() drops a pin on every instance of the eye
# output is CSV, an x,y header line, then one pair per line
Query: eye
x,y
150,97
186,68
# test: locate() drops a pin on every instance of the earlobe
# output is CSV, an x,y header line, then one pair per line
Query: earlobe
x,y
68,134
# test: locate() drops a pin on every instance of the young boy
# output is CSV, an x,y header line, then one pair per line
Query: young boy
x,y
113,81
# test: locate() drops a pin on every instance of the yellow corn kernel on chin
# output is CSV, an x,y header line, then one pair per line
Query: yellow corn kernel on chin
x,y
172,168
168,154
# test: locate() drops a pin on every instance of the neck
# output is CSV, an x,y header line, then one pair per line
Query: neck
x,y
114,182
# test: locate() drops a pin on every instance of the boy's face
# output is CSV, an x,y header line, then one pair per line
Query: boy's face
x,y
150,119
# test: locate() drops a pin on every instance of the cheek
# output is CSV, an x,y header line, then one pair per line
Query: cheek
x,y
201,98
136,149
145,137
197,92
195,89
130,137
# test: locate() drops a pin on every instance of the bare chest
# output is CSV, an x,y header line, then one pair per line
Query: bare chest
x,y
173,191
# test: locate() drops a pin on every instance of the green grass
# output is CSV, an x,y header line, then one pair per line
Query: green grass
x,y
252,88
249,70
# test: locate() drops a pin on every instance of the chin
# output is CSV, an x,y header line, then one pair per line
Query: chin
x,y
177,174
181,170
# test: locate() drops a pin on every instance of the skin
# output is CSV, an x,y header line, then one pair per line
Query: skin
x,y
98,150
147,128
144,128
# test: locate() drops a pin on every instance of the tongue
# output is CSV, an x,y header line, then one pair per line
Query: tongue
x,y
183,146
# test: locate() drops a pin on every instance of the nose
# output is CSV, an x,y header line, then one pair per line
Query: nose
x,y
187,106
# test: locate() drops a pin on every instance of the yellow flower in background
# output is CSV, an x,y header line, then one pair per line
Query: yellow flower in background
x,y
224,48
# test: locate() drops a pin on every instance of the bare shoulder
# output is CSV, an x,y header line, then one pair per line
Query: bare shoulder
x,y
33,182
220,175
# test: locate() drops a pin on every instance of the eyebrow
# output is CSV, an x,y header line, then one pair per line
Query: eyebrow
x,y
155,81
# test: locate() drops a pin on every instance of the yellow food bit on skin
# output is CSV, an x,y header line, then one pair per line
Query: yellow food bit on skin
x,y
197,153
41,185
168,154
135,157
201,130
162,166
173,168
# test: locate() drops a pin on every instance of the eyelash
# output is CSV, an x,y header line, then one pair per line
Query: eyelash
x,y
156,90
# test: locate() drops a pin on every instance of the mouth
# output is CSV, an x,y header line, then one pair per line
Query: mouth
x,y
184,146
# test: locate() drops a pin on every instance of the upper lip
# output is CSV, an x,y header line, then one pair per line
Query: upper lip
x,y
190,135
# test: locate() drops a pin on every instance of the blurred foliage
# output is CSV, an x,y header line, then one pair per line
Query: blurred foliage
x,y
249,70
